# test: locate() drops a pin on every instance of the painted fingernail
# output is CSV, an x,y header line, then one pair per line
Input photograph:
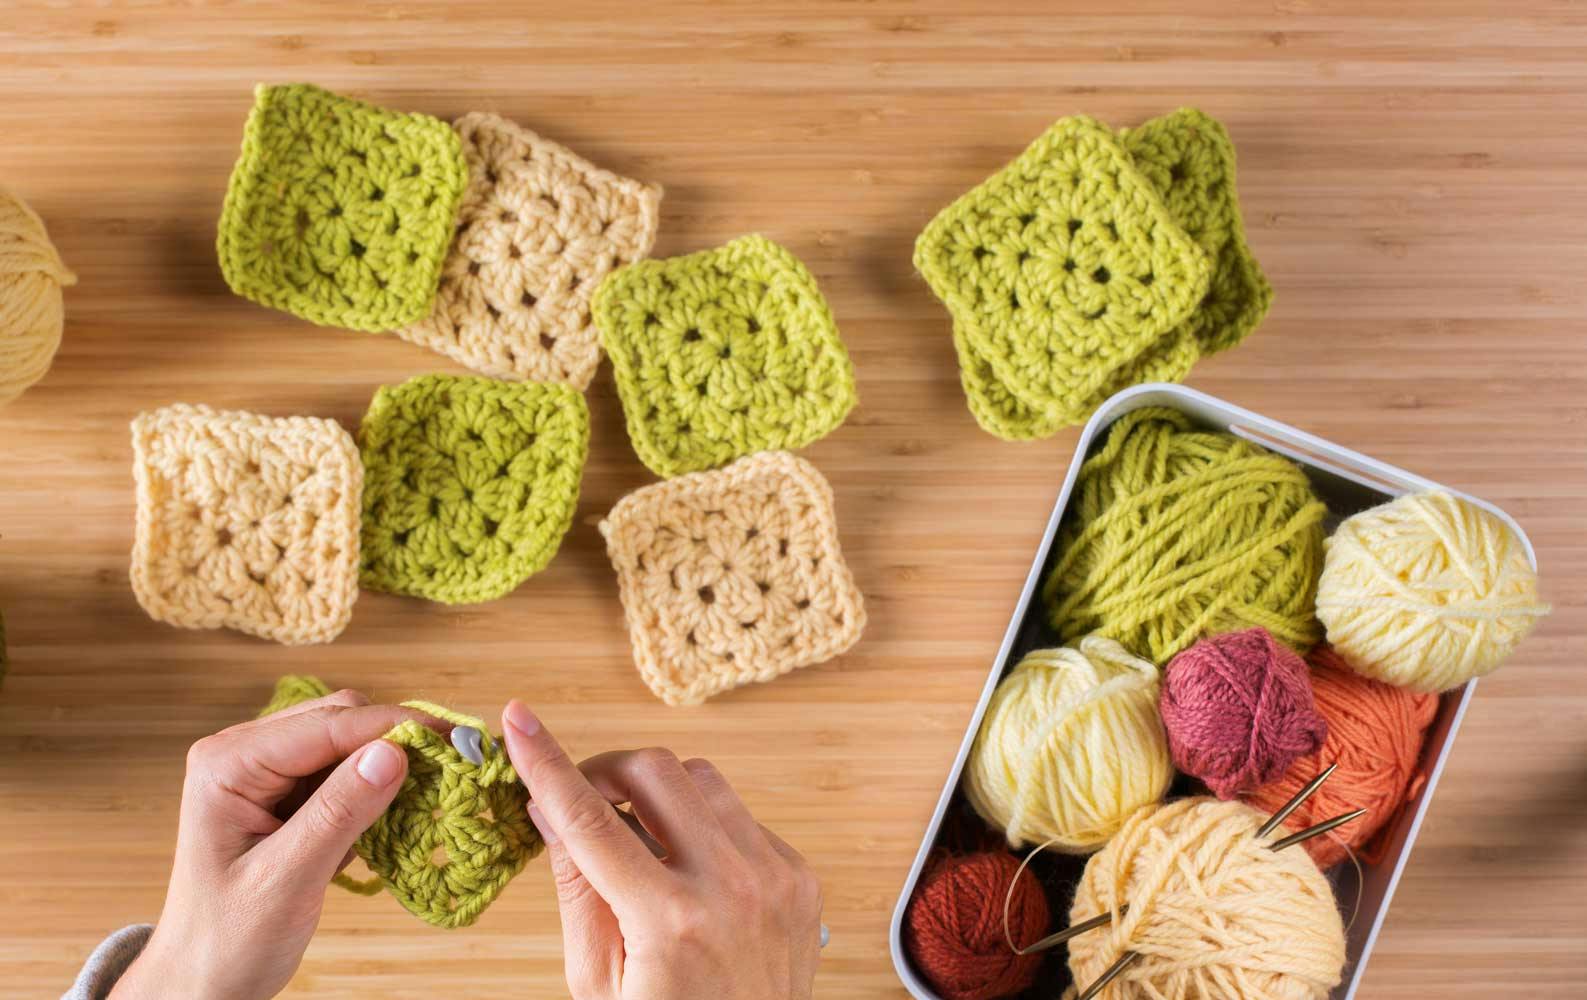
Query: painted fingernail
x,y
520,718
380,764
546,833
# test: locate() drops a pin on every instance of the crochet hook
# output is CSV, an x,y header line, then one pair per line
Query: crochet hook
x,y
471,744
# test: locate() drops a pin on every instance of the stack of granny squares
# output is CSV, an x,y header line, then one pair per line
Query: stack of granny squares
x,y
1095,261
516,257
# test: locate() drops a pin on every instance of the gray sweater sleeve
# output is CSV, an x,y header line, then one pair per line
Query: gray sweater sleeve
x,y
108,962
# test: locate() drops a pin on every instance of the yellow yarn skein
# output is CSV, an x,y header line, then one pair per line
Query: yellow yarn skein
x,y
1071,746
31,311
1426,591
1212,912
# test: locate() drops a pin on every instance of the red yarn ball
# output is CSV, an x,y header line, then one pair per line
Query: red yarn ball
x,y
1239,711
954,927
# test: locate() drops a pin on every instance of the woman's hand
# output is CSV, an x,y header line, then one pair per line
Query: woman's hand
x,y
731,912
270,811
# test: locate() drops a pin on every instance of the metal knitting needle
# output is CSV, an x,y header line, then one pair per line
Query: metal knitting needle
x,y
1112,973
1074,930
471,744
1316,831
1295,801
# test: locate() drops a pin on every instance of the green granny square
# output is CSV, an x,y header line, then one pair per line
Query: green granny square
x,y
469,484
723,353
1189,159
1062,271
338,211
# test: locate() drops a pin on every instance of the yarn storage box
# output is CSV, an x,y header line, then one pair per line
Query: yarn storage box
x,y
1344,480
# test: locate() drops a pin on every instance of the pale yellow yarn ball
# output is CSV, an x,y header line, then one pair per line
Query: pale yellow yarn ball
x,y
31,311
1426,592
1071,745
1212,912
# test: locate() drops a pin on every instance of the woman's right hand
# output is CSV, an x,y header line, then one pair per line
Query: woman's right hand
x,y
730,913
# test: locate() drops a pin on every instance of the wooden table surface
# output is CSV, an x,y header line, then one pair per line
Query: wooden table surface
x,y
1412,180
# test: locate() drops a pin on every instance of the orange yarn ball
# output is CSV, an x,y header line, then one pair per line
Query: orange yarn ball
x,y
1375,735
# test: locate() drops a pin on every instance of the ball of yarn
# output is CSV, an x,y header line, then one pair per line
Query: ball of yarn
x,y
1375,735
1212,912
31,312
1176,532
1071,745
954,927
1238,711
1426,591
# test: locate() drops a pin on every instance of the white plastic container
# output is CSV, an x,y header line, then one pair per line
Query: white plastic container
x,y
1347,482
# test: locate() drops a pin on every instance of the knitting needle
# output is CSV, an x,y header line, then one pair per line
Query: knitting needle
x,y
471,744
1316,831
1054,940
1111,974
1295,801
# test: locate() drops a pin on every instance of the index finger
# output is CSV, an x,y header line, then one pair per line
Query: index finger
x,y
613,860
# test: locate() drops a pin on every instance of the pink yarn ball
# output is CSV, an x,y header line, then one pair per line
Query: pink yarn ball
x,y
1239,711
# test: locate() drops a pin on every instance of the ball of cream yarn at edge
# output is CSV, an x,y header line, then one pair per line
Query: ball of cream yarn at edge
x,y
1375,735
1426,591
1176,532
1212,912
1238,711
31,311
1070,746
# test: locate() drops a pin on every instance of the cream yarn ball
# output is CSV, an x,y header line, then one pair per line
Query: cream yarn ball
x,y
1071,745
31,311
1212,912
1426,592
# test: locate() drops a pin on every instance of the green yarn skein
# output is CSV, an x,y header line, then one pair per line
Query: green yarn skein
x,y
456,833
1177,532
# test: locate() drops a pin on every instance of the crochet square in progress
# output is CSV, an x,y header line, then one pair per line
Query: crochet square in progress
x,y
1189,159
470,484
338,211
732,576
538,229
456,833
1063,273
246,522
723,353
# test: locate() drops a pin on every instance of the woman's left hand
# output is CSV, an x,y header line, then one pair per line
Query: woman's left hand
x,y
270,811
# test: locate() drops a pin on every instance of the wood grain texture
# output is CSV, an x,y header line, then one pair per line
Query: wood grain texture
x,y
1411,176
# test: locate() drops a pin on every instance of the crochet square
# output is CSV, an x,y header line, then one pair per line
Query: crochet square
x,y
456,833
246,522
732,576
338,211
1189,159
1061,271
469,484
723,353
538,230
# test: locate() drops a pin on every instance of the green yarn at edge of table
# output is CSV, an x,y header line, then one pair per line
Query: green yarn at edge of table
x,y
448,870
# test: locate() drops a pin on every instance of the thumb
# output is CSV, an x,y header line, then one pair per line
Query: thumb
x,y
592,943
318,836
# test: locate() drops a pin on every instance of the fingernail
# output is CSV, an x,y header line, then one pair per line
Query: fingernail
x,y
546,833
380,764
520,718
